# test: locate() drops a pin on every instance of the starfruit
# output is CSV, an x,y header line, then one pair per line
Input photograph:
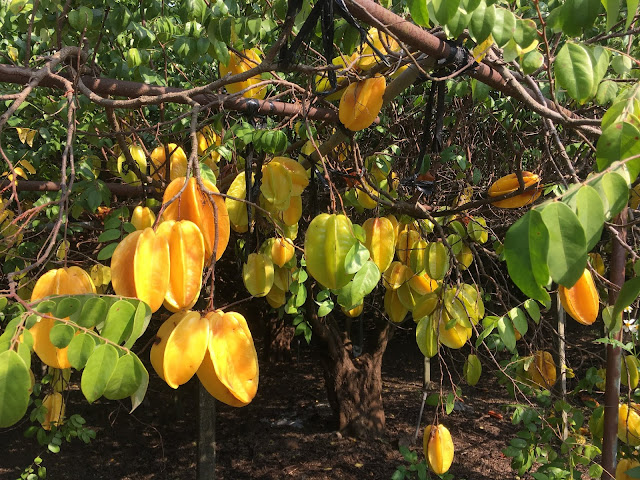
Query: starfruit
x,y
438,448
423,284
239,64
624,465
292,214
437,264
54,403
425,306
283,277
238,210
405,243
634,201
353,312
472,369
257,274
464,257
230,370
395,275
276,185
282,250
509,183
299,176
380,241
322,81
177,164
366,59
453,327
180,346
629,423
477,230
194,204
327,243
361,103
629,374
206,138
186,257
595,259
61,281
542,370
130,176
142,217
276,296
394,307
140,267
418,257
581,301
426,337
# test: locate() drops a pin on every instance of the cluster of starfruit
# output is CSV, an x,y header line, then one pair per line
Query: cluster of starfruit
x,y
269,272
217,347
281,186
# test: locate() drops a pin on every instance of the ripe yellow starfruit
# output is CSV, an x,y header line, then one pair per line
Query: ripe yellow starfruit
x,y
596,261
54,403
395,275
230,370
509,183
366,59
299,176
405,243
194,204
380,241
629,375
130,176
177,165
629,424
142,217
180,346
353,312
239,64
581,301
437,264
140,267
206,138
328,240
542,370
623,466
438,448
423,284
238,210
257,274
394,307
361,103
186,257
282,250
61,281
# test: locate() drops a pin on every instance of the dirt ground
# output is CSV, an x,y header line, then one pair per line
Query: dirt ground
x,y
286,432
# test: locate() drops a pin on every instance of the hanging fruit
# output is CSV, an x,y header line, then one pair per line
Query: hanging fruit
x,y
186,257
509,183
257,274
282,250
438,448
361,103
629,423
142,217
244,62
541,371
229,370
194,204
329,238
54,403
238,210
140,267
581,301
380,241
177,165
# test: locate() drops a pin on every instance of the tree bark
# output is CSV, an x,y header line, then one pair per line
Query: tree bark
x,y
278,338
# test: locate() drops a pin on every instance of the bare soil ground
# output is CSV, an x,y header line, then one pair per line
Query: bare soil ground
x,y
287,432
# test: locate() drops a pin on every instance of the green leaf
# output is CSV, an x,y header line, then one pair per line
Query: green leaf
x,y
532,308
15,382
482,22
106,252
61,334
458,23
628,294
574,69
97,371
526,32
532,61
620,141
504,27
519,320
126,377
525,249
419,12
567,252
67,306
138,395
356,257
595,471
119,321
80,349
632,6
426,337
579,15
607,92
590,212
324,308
444,10
612,7
507,334
141,320
365,280
93,312
109,235
613,191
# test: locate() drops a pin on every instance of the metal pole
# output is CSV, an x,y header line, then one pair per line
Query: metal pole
x,y
206,469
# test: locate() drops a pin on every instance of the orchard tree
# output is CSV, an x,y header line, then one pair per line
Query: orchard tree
x,y
360,165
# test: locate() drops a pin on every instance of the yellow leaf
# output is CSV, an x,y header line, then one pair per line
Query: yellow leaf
x,y
26,135
13,53
62,250
479,51
27,164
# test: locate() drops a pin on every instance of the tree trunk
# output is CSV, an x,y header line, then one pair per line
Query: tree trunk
x,y
278,338
354,388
